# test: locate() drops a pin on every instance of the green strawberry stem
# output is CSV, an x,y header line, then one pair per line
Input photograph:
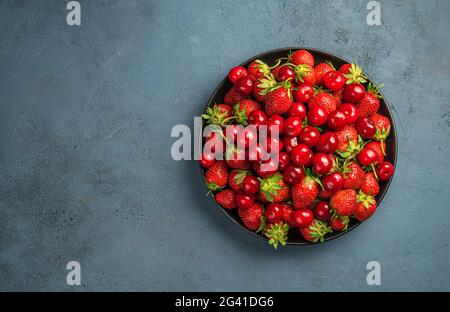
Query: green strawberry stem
x,y
277,234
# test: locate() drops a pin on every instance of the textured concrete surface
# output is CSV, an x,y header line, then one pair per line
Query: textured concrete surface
x,y
85,167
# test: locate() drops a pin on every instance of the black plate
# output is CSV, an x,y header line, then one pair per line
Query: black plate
x,y
320,56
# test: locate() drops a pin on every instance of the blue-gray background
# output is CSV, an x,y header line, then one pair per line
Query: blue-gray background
x,y
85,167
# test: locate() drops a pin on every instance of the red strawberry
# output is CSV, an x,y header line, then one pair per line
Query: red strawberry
x,y
232,97
339,223
225,199
353,176
324,194
337,95
370,184
287,214
304,193
217,176
251,217
218,114
383,126
323,100
379,148
273,189
258,69
236,158
305,74
236,177
278,101
243,109
368,105
321,69
316,231
344,202
346,135
277,234
365,207
214,141
302,57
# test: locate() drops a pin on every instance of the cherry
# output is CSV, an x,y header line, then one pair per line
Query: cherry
x,y
285,73
274,142
293,174
333,182
244,201
322,211
317,116
353,92
256,153
266,168
365,127
297,109
301,155
250,185
284,160
236,73
244,85
350,111
293,126
274,212
303,92
367,156
207,160
257,117
247,137
385,170
290,143
309,136
336,120
333,80
302,217
275,120
321,163
327,143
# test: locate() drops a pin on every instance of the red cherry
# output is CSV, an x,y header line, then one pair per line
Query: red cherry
x,y
250,185
266,168
290,143
244,201
285,73
317,116
284,160
302,217
297,109
247,137
350,111
303,92
207,160
293,174
309,136
257,117
365,127
293,126
322,211
336,120
345,68
244,85
321,163
367,156
256,153
353,92
301,155
327,143
275,120
385,171
236,73
333,80
333,182
274,142
274,213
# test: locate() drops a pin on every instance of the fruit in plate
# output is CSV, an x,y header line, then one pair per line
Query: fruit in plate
x,y
322,211
309,136
321,163
257,117
365,127
236,178
277,233
305,192
333,80
274,212
301,155
344,202
317,116
333,182
320,70
303,92
244,200
385,171
327,143
370,184
226,198
219,114
353,176
302,57
273,189
367,156
302,217
350,111
243,109
250,185
336,120
251,217
232,97
237,72
297,109
382,126
258,69
278,101
293,126
353,92
207,160
285,72
365,206
216,176
293,174
244,85
323,100
338,223
368,104
316,231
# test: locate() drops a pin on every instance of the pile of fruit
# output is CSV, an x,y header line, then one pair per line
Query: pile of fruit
x,y
325,165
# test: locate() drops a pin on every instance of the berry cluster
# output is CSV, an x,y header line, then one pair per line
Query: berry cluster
x,y
320,168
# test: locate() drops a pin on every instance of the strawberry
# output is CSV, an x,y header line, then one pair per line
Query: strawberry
x,y
337,95
301,57
258,69
345,136
316,231
236,158
370,184
217,176
368,105
214,141
323,100
365,207
287,214
236,177
243,109
273,189
353,176
320,70
232,97
219,114
278,101
383,126
344,202
251,217
277,233
324,194
305,74
379,148
354,74
225,198
339,223
304,193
